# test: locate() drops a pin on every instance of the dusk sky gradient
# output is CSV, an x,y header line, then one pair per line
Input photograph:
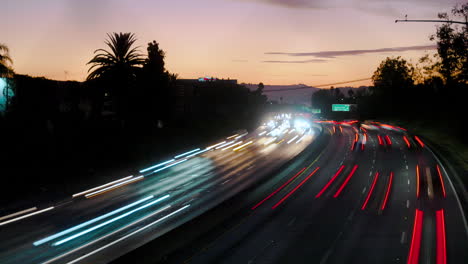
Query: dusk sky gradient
x,y
271,41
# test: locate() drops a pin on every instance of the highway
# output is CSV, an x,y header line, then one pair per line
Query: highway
x,y
375,194
389,201
107,221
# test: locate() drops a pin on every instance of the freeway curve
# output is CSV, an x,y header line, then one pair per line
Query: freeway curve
x,y
374,194
371,195
107,221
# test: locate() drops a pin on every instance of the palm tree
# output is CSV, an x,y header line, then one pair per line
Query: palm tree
x,y
116,69
4,60
120,59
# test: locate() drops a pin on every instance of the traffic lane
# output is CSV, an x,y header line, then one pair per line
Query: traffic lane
x,y
436,194
378,234
371,225
203,206
264,221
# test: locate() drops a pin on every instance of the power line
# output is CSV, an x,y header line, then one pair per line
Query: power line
x,y
430,20
315,86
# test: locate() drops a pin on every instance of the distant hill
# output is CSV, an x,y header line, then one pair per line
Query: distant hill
x,y
295,93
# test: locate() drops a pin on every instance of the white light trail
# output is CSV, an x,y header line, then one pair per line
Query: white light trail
x,y
26,216
102,186
125,237
114,186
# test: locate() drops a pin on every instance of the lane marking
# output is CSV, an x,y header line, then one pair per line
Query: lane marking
x,y
407,203
403,237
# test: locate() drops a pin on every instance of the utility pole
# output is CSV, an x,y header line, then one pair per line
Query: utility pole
x,y
430,20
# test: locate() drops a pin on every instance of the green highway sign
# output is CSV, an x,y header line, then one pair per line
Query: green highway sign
x,y
316,111
340,107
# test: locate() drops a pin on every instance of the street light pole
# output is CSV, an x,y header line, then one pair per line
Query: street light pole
x,y
431,21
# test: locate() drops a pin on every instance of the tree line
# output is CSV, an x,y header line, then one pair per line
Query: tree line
x,y
433,89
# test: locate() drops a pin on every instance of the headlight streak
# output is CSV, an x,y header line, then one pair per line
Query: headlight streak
x,y
186,153
106,236
69,230
26,216
196,153
109,221
157,165
102,186
240,136
226,144
242,146
131,234
291,140
232,136
215,145
170,165
300,139
232,145
120,184
18,213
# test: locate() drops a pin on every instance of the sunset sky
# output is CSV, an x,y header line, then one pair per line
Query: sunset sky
x,y
271,41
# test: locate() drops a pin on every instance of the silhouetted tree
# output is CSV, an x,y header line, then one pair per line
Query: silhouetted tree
x,y
452,47
156,86
392,80
350,93
5,60
116,69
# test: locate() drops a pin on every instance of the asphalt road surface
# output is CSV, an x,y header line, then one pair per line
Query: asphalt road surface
x,y
371,195
389,201
105,222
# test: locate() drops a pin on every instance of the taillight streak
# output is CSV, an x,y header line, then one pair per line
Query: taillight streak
x,y
380,139
406,141
346,181
441,180
330,181
413,256
295,189
370,191
419,141
387,138
441,246
387,193
279,189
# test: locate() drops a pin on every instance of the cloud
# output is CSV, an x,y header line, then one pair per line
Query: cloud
x,y
295,61
239,60
338,53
